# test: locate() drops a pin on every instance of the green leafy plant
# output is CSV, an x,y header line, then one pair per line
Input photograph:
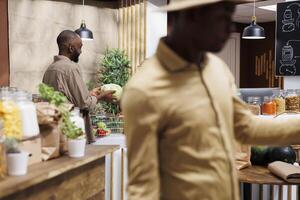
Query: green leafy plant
x,y
114,68
58,99
50,95
11,145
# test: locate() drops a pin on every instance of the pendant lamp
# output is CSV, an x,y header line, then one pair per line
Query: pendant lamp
x,y
254,31
83,32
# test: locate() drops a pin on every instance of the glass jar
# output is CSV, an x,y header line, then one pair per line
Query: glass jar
x,y
30,126
254,105
291,101
10,114
279,99
268,106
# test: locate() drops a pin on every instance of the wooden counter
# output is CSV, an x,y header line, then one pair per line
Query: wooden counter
x,y
262,176
63,178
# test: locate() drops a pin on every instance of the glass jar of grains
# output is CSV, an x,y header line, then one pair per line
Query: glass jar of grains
x,y
279,99
291,101
268,106
254,105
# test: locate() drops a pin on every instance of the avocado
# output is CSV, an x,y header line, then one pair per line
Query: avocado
x,y
284,154
259,155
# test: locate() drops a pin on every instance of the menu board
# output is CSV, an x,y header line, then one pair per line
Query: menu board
x,y
288,39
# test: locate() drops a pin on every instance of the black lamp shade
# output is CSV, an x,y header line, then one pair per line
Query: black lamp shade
x,y
84,33
254,31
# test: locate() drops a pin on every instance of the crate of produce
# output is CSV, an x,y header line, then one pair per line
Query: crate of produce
x,y
114,123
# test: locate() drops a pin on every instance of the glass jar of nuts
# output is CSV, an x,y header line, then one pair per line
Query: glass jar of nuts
x,y
254,105
292,101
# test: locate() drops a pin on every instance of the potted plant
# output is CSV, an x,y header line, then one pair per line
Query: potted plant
x,y
75,136
17,161
113,74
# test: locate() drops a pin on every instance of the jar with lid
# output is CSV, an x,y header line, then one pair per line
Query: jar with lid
x,y
30,127
254,105
10,114
279,99
77,119
291,101
3,169
268,106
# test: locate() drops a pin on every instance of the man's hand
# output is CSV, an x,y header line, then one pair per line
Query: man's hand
x,y
104,95
107,96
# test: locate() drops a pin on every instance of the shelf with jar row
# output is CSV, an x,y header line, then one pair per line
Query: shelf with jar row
x,y
281,101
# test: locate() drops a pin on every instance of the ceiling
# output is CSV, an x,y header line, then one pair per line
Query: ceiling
x,y
244,12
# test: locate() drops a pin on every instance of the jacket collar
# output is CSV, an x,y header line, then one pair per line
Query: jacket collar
x,y
61,57
171,60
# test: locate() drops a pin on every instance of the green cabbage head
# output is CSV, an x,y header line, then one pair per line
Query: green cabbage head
x,y
118,89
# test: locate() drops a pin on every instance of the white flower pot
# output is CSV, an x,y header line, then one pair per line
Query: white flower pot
x,y
76,147
17,163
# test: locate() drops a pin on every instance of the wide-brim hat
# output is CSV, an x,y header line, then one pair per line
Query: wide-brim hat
x,y
176,5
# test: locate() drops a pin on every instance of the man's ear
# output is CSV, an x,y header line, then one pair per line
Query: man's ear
x,y
71,49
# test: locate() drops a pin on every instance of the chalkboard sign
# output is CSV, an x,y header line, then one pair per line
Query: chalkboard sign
x,y
288,39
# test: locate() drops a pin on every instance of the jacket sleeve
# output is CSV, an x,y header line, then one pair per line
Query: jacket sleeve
x,y
250,129
79,94
141,127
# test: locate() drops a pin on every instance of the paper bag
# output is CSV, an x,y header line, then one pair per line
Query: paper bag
x,y
50,135
47,114
286,171
242,156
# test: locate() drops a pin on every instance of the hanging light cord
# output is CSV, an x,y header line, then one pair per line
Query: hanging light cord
x,y
254,14
254,9
83,11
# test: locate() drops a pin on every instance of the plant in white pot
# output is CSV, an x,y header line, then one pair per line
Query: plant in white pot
x,y
75,136
17,161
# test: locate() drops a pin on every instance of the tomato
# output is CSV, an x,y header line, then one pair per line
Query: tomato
x,y
101,132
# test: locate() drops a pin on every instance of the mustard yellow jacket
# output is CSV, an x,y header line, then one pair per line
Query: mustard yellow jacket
x,y
181,123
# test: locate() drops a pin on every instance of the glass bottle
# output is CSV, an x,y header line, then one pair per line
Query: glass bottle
x,y
269,106
291,101
279,99
77,119
254,105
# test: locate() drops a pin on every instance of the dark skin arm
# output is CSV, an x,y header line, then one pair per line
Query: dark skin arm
x,y
103,95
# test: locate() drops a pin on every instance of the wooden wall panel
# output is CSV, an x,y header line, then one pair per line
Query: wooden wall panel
x,y
4,56
257,68
132,30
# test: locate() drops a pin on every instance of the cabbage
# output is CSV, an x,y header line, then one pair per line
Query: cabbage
x,y
118,90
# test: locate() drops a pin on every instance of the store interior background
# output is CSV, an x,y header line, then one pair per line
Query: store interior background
x,y
29,29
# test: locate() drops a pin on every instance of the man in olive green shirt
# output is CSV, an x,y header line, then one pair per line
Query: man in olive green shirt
x,y
182,115
64,74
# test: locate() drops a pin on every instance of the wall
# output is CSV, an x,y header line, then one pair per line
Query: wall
x,y
257,60
4,57
35,24
156,25
132,30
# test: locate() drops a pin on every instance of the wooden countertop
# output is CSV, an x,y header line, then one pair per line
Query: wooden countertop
x,y
260,175
43,171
